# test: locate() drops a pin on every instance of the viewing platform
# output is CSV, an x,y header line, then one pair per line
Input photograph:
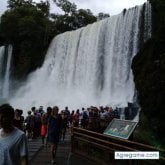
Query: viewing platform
x,y
40,155
86,147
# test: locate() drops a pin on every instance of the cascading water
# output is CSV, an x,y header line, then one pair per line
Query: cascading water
x,y
89,66
2,52
6,84
147,22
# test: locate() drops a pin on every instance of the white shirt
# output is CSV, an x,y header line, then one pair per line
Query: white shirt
x,y
12,147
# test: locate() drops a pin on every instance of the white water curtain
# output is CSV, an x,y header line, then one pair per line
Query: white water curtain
x,y
89,66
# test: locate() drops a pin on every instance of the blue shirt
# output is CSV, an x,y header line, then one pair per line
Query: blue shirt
x,y
13,147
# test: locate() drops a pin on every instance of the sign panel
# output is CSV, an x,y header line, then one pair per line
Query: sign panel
x,y
120,128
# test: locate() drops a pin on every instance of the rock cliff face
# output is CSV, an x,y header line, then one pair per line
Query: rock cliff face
x,y
149,76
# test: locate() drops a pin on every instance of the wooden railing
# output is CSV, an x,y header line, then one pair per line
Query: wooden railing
x,y
100,148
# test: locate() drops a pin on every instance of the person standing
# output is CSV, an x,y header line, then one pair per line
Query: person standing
x,y
64,121
67,115
76,118
44,127
30,122
18,119
13,141
54,128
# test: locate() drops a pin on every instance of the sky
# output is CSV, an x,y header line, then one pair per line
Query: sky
x,y
111,7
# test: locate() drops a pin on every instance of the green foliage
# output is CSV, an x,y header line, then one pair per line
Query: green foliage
x,y
148,68
102,16
143,132
25,27
73,18
44,7
84,17
66,6
12,4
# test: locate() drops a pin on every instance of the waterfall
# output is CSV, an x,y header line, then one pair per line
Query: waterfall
x,y
2,52
147,21
88,66
122,115
5,90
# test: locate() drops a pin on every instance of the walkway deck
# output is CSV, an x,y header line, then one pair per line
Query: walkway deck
x,y
40,155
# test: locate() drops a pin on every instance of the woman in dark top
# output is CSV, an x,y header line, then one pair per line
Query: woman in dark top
x,y
54,126
18,119
63,125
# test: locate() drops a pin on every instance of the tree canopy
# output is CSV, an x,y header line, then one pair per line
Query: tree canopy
x,y
72,18
24,26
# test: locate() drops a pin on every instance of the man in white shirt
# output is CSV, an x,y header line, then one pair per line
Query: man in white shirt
x,y
13,142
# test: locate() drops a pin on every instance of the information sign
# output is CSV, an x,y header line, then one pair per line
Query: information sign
x,y
120,128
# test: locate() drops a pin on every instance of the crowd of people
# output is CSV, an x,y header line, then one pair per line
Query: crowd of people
x,y
92,118
49,124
